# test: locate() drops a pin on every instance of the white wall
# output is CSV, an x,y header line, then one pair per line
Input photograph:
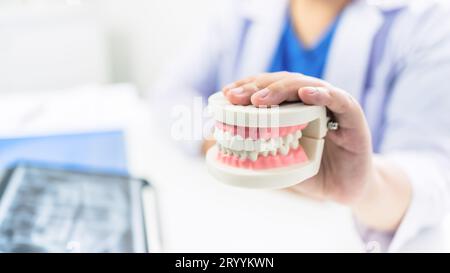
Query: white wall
x,y
146,33
140,35
50,48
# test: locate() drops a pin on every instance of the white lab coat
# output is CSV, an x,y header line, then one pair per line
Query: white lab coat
x,y
415,68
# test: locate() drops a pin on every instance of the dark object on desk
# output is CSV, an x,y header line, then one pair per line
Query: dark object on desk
x,y
57,210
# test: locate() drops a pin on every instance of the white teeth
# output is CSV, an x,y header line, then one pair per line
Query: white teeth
x,y
253,156
268,146
257,144
288,139
273,144
295,144
263,146
284,149
226,139
249,145
236,145
278,142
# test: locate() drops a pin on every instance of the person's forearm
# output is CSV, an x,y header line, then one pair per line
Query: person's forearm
x,y
386,199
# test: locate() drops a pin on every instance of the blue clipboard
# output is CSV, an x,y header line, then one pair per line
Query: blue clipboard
x,y
105,151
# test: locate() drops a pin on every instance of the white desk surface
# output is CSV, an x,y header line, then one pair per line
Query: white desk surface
x,y
198,213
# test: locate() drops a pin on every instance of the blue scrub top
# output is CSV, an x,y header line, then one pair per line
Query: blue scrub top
x,y
291,55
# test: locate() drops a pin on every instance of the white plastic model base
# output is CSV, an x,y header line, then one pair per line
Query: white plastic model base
x,y
290,114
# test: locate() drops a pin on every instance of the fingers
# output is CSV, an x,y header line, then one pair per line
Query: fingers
x,y
285,89
353,134
344,107
240,92
274,88
236,84
232,86
240,95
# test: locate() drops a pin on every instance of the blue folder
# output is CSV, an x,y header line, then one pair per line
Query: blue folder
x,y
94,151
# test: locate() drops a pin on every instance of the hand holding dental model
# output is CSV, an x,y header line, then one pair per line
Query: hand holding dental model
x,y
377,191
260,147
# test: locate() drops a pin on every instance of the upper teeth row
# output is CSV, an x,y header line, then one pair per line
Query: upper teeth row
x,y
238,143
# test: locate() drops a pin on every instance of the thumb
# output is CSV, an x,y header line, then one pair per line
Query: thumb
x,y
345,108
353,133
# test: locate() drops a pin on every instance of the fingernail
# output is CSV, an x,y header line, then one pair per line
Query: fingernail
x,y
262,93
311,90
238,90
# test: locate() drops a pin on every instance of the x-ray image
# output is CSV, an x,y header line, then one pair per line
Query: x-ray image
x,y
51,210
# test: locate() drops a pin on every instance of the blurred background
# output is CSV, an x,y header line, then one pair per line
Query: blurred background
x,y
55,44
73,75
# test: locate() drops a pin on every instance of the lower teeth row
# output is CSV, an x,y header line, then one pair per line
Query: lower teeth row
x,y
253,156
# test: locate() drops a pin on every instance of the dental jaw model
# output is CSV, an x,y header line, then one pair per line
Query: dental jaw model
x,y
265,148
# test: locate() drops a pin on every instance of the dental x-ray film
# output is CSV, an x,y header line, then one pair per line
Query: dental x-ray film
x,y
56,210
